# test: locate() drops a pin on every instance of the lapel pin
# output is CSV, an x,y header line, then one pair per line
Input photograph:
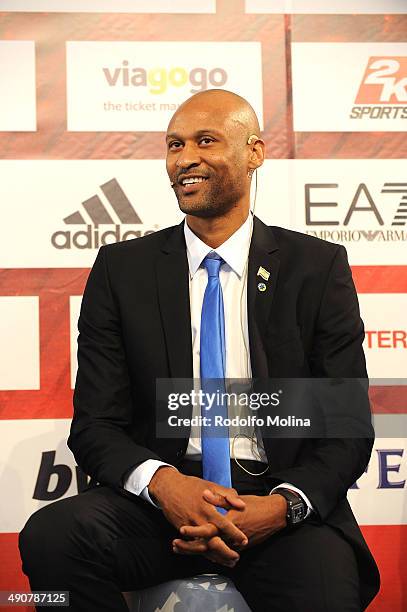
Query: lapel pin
x,y
261,287
263,273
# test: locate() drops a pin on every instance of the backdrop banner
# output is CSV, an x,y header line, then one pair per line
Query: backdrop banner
x,y
88,89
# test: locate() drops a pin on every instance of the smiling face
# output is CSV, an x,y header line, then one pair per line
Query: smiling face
x,y
207,157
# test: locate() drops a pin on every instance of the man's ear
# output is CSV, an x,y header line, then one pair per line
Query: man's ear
x,y
257,152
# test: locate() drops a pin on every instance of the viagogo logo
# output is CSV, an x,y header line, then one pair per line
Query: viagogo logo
x,y
158,80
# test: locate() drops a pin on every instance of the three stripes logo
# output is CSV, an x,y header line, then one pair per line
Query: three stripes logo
x,y
116,211
400,218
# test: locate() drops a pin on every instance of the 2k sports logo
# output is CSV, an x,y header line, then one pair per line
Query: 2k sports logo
x,y
383,88
384,81
115,211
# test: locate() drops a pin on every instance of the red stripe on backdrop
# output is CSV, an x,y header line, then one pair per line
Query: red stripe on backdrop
x,y
380,279
388,399
388,544
54,288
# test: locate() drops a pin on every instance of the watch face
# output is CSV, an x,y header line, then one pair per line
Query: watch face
x,y
297,513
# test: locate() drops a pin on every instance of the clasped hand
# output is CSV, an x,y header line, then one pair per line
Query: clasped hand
x,y
189,503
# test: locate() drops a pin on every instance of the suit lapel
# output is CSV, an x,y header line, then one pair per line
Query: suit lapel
x,y
264,252
260,292
173,295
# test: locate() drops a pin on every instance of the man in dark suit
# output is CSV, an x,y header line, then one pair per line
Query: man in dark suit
x,y
289,310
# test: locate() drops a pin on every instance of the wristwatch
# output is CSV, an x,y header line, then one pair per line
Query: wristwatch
x,y
296,507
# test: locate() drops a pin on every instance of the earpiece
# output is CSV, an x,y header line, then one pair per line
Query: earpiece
x,y
252,139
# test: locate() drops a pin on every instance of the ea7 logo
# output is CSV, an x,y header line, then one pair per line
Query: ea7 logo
x,y
361,202
353,215
384,81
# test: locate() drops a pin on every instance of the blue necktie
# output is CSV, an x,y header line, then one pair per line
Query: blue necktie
x,y
215,439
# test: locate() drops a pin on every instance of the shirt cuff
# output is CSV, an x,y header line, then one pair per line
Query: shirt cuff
x,y
138,480
287,485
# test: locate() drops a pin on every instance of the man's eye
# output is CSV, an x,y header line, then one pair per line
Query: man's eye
x,y
174,145
206,140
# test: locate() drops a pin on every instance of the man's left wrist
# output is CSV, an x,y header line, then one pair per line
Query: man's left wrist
x,y
296,506
278,509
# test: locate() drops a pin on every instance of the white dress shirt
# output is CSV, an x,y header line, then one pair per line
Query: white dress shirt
x,y
233,277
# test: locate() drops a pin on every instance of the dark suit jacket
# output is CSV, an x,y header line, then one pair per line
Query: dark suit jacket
x,y
135,327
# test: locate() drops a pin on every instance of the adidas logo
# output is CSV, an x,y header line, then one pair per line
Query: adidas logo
x,y
116,211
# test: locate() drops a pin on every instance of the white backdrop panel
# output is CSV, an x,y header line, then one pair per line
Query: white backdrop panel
x,y
19,342
325,7
51,235
17,86
110,6
353,202
385,345
329,77
137,86
21,452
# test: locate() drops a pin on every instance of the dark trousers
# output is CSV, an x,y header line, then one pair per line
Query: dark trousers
x,y
100,543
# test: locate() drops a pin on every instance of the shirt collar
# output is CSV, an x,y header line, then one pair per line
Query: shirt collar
x,y
233,251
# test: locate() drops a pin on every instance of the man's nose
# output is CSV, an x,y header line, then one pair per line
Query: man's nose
x,y
189,156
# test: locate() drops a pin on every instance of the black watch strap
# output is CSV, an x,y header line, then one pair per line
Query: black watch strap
x,y
296,506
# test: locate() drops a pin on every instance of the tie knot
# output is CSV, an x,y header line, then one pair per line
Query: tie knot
x,y
212,263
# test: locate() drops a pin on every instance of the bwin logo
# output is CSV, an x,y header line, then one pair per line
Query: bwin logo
x,y
100,214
